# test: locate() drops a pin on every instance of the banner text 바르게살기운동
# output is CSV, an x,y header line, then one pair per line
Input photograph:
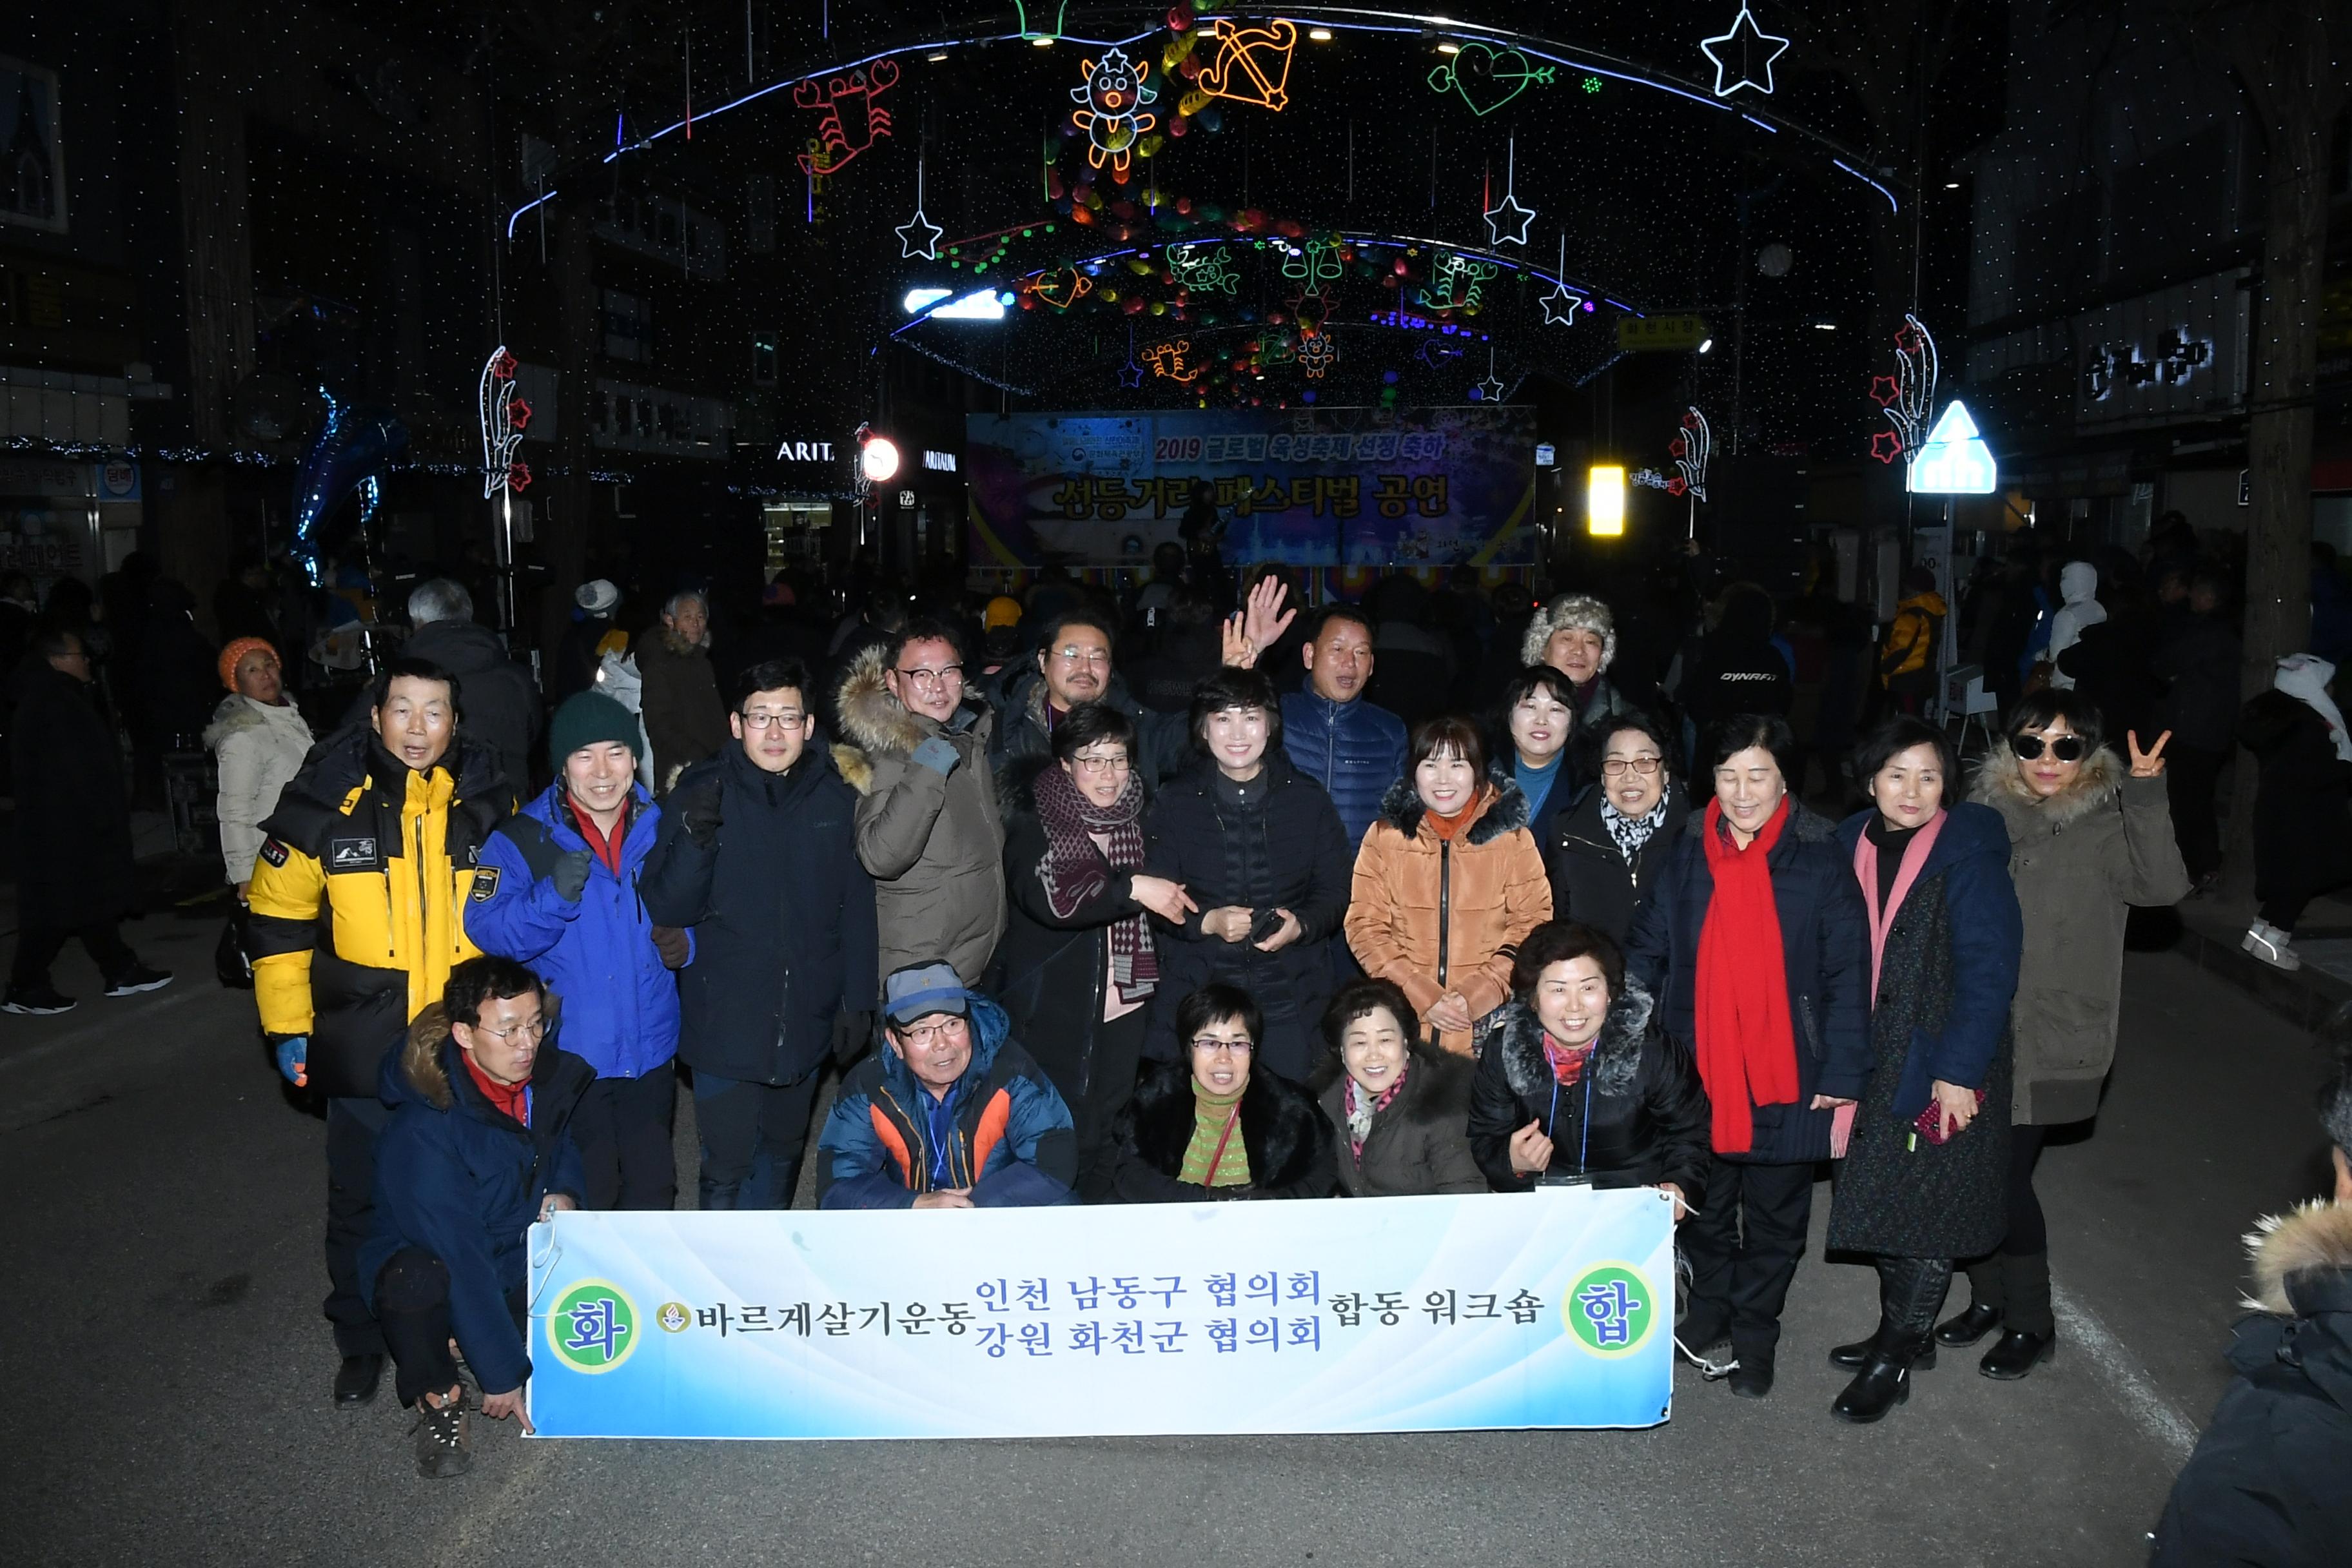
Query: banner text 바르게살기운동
x,y
1337,1315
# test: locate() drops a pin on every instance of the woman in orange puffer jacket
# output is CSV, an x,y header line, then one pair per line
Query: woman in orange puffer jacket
x,y
1448,882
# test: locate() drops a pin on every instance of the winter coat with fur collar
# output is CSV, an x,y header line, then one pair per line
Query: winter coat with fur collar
x,y
2080,861
1638,1117
1287,1136
1418,1143
2267,1482
1436,915
933,840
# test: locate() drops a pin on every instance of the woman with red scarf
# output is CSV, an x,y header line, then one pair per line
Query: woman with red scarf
x,y
1077,962
1756,944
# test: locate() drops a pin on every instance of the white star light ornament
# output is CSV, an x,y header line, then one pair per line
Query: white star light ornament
x,y
1560,306
1509,220
1491,389
1744,56
919,236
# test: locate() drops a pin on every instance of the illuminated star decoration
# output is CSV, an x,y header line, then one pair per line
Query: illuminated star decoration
x,y
1560,306
1130,374
1884,389
1886,446
1509,220
1491,389
1744,56
919,236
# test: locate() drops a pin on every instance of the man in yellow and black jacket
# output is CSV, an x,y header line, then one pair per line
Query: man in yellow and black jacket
x,y
356,923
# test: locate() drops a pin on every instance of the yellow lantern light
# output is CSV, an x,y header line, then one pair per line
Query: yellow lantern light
x,y
1604,501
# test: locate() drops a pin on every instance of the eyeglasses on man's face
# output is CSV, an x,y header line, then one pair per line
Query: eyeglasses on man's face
x,y
1075,654
928,1034
1618,767
764,718
945,675
531,1030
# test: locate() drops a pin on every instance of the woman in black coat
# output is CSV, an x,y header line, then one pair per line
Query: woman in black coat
x,y
1078,965
1258,848
1604,851
1577,1081
1212,1127
1761,968
1925,1175
1397,1108
2303,801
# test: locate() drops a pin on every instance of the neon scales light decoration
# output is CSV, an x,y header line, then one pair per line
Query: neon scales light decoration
x,y
1111,102
504,415
852,121
1312,264
1253,64
1487,77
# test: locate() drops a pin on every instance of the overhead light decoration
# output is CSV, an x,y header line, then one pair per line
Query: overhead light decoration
x,y
1954,460
1200,269
1744,56
919,236
1253,64
980,305
1691,450
1604,501
504,414
852,120
919,300
1510,215
1111,102
1908,396
1487,77
1456,282
1318,34
1559,305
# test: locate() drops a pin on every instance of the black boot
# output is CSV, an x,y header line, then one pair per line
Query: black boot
x,y
2033,1336
1969,1327
1911,1292
356,1378
1884,1383
1752,1378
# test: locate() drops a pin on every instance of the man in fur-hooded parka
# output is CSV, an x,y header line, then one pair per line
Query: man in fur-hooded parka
x,y
928,828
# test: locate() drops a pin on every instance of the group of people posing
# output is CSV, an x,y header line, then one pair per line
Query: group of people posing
x,y
1067,949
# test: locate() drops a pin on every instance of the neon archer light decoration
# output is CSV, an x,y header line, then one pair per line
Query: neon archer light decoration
x,y
1487,77
1111,102
1253,64
852,122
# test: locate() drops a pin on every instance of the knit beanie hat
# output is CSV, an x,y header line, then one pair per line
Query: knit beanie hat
x,y
586,719
233,654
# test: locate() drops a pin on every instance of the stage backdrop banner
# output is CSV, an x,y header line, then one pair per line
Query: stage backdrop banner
x,y
1554,1309
1311,487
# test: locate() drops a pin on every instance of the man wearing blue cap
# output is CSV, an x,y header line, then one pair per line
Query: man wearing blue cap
x,y
557,890
950,1114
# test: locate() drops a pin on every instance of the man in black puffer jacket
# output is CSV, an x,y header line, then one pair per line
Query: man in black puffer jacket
x,y
758,858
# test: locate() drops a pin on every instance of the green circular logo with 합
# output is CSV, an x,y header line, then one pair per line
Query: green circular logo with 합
x,y
1611,1310
593,1326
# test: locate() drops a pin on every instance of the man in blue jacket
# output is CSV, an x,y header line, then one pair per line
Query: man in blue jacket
x,y
1354,749
478,1150
557,890
759,856
951,1114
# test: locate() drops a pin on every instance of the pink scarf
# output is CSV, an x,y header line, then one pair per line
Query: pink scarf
x,y
1866,866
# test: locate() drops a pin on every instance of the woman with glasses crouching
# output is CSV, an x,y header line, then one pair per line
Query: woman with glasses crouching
x,y
2089,835
1209,1128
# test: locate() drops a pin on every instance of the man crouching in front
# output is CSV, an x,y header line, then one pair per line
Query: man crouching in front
x,y
478,1147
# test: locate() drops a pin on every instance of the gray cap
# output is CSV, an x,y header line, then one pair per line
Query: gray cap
x,y
598,597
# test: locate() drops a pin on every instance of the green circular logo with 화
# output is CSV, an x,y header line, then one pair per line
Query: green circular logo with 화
x,y
593,1326
1611,1310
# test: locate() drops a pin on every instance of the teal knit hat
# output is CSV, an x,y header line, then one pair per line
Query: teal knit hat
x,y
586,719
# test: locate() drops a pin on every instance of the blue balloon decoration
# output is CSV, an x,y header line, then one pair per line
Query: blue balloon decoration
x,y
355,448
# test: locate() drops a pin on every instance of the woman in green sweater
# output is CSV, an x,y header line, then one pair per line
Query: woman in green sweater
x,y
1208,1127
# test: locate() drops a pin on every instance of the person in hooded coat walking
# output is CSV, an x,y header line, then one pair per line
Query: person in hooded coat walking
x,y
2303,801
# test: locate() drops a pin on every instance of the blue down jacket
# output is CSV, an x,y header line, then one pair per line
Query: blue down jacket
x,y
620,1005
1012,1141
1354,750
464,1183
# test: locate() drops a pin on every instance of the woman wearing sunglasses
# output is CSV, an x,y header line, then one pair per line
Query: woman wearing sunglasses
x,y
2090,836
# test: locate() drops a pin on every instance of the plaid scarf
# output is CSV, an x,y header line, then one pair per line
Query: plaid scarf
x,y
1075,871
1631,832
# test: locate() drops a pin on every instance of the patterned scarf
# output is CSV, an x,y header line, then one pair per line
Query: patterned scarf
x,y
1360,1110
1074,870
1631,832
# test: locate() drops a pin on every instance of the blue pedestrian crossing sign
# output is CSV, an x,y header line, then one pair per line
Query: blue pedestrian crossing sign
x,y
1954,460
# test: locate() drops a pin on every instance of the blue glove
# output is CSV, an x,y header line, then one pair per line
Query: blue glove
x,y
294,1059
938,755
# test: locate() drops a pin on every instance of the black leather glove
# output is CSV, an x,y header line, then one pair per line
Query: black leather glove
x,y
671,944
852,1033
570,874
699,815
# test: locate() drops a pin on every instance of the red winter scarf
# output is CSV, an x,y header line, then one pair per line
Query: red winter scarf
x,y
1747,1049
512,1100
608,850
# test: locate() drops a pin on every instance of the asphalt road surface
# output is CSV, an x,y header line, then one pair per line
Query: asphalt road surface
x,y
167,1368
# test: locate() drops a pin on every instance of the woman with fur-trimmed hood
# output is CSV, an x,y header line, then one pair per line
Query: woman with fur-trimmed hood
x,y
929,828
1578,1080
1577,635
2267,1482
2090,836
1447,884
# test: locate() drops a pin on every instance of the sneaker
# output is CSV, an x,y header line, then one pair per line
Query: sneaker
x,y
444,1448
138,978
2272,945
37,1001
